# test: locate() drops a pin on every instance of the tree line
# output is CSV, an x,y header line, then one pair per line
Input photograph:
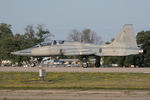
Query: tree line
x,y
33,35
141,60
10,42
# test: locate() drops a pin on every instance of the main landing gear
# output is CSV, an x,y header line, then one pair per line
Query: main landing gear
x,y
86,63
97,62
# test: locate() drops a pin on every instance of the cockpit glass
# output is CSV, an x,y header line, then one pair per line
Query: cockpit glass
x,y
49,43
36,46
61,42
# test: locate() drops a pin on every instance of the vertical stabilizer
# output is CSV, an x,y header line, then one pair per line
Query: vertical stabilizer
x,y
126,37
124,44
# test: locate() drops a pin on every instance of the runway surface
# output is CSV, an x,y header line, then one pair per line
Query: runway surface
x,y
75,69
75,94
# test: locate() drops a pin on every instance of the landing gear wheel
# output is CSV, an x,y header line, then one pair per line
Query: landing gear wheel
x,y
85,65
97,63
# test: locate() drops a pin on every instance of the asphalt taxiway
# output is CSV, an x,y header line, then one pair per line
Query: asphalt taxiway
x,y
75,69
75,94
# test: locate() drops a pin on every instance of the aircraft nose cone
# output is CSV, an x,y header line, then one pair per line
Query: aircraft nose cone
x,y
14,53
26,52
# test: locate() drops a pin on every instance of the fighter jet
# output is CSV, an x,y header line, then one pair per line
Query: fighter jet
x,y
123,45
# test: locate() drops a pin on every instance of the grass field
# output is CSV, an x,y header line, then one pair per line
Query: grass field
x,y
68,80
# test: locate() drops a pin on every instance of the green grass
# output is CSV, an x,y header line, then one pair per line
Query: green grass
x,y
68,80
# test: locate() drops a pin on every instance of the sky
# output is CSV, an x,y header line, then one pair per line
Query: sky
x,y
105,17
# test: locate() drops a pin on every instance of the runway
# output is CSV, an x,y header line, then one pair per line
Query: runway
x,y
75,94
75,69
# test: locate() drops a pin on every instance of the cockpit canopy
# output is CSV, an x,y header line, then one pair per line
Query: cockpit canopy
x,y
49,43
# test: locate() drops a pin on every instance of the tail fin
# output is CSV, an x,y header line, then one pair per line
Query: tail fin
x,y
125,38
124,44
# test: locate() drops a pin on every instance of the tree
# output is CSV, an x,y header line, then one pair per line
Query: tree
x,y
86,36
95,39
10,43
43,33
20,43
89,36
110,42
30,35
29,32
75,35
143,39
37,34
5,30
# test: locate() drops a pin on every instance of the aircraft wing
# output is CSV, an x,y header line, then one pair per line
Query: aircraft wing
x,y
70,52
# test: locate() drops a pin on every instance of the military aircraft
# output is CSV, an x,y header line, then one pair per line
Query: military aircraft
x,y
123,45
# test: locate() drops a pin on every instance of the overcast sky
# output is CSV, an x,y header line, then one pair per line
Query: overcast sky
x,y
105,17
